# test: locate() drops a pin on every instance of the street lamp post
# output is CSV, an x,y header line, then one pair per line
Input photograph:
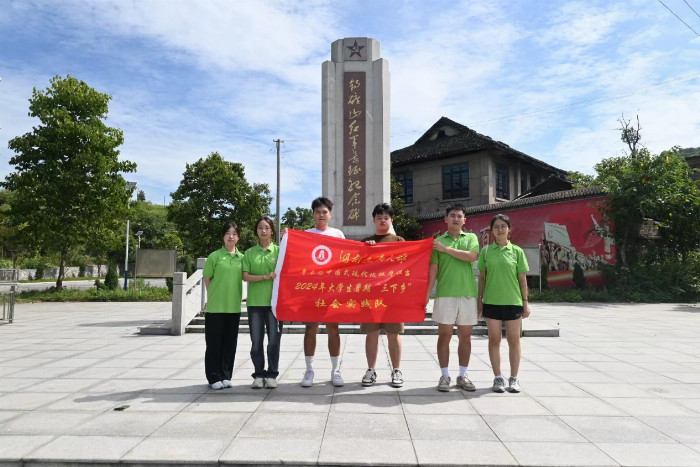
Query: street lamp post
x,y
130,188
136,261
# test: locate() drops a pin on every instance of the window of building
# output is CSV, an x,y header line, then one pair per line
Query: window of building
x,y
502,188
455,181
523,182
406,181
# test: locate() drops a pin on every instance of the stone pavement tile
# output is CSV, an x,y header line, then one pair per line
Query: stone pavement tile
x,y
228,400
121,362
27,362
366,403
651,454
420,365
192,374
77,362
450,403
15,447
44,423
203,425
672,391
150,401
12,384
580,406
692,404
539,376
84,449
532,428
179,386
582,357
176,450
695,447
642,376
375,426
614,367
300,426
123,423
366,452
41,372
148,373
687,377
557,453
508,404
62,385
612,390
90,402
171,362
615,430
449,427
292,386
123,385
536,357
556,367
651,406
9,370
281,402
682,429
6,415
271,451
444,453
28,401
559,389
356,387
586,377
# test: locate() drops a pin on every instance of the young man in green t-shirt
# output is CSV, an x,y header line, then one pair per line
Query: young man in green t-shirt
x,y
455,302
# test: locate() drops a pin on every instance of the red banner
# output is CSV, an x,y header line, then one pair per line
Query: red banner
x,y
327,279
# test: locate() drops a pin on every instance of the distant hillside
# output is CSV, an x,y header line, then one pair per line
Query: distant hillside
x,y
689,152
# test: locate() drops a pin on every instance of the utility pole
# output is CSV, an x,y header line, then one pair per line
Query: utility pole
x,y
279,220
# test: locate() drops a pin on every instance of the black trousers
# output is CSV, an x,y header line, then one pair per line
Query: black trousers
x,y
221,336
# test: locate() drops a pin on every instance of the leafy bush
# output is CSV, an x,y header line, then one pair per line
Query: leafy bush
x,y
111,278
81,270
154,294
169,284
40,266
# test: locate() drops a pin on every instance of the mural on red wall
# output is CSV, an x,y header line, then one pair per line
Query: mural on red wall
x,y
566,233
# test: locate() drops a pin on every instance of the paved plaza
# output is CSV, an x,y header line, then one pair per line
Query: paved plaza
x,y
620,386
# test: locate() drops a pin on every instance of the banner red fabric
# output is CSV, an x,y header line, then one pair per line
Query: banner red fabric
x,y
327,279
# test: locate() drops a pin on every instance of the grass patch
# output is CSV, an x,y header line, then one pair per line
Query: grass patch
x,y
151,294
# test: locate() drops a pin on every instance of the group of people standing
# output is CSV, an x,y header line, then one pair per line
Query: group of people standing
x,y
501,298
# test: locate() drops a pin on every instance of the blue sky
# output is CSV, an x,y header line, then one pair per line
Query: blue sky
x,y
549,78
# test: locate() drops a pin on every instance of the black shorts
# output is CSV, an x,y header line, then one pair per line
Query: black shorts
x,y
503,312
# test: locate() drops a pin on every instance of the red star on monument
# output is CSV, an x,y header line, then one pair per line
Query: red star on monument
x,y
355,49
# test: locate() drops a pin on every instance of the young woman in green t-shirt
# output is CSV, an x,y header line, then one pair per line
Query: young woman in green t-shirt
x,y
223,278
259,265
502,298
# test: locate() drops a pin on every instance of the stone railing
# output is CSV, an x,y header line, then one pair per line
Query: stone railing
x,y
189,298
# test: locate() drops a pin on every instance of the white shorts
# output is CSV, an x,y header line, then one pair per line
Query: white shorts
x,y
461,311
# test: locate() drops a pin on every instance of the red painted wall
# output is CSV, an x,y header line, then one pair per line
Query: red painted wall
x,y
566,232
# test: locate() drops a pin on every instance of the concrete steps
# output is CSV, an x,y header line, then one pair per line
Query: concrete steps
x,y
426,327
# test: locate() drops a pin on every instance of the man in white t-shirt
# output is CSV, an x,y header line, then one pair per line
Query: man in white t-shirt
x,y
321,208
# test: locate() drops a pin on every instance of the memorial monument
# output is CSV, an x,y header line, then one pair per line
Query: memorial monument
x,y
356,154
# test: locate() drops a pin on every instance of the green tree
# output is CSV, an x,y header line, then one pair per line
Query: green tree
x,y
68,181
654,187
141,196
13,244
212,192
581,180
298,218
404,225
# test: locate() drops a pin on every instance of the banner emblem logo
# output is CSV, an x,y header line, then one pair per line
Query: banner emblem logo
x,y
321,255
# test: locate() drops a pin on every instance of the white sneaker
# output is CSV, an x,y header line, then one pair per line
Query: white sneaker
x,y
227,383
308,379
258,383
217,386
499,384
271,383
337,379
513,384
369,378
397,378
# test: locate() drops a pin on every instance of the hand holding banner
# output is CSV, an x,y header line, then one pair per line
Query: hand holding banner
x,y
327,279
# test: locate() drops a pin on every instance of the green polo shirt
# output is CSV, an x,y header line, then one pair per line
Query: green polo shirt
x,y
455,277
226,287
259,262
502,266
